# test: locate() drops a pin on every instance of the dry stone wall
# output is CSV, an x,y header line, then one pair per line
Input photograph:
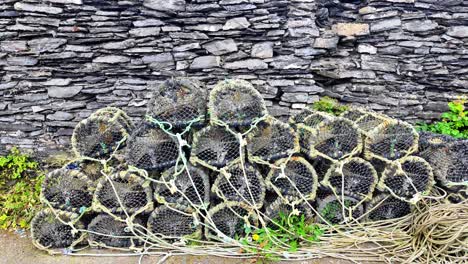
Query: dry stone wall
x,y
60,60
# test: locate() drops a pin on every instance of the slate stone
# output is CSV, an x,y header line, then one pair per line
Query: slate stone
x,y
205,62
57,82
165,5
351,29
111,59
13,46
221,47
60,116
326,43
145,32
37,8
236,23
458,31
251,64
420,26
262,50
63,92
46,44
21,61
386,24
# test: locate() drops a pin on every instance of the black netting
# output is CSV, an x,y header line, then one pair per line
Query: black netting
x,y
321,166
174,222
229,220
457,169
385,206
365,119
68,190
279,209
306,127
92,169
178,102
106,230
299,117
302,178
214,147
240,185
236,103
150,148
271,140
194,184
115,113
339,209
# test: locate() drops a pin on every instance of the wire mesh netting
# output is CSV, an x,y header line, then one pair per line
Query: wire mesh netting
x,y
235,103
385,206
305,129
107,231
189,186
365,119
174,222
354,176
150,148
279,210
407,177
298,181
54,229
240,183
230,220
114,113
299,117
271,140
338,209
178,103
67,190
92,169
215,147
123,191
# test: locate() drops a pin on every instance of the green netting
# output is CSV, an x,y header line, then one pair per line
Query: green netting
x,y
280,207
385,206
235,103
107,231
338,209
173,222
230,220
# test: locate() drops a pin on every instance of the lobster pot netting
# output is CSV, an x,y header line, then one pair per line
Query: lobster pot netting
x,y
385,206
179,102
279,209
215,147
227,220
52,229
298,182
354,176
98,137
407,177
174,222
339,209
334,139
304,130
131,190
271,140
244,185
299,117
236,103
114,113
67,190
391,140
150,148
365,119
92,169
106,231
191,186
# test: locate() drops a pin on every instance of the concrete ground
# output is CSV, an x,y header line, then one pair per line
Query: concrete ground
x,y
18,249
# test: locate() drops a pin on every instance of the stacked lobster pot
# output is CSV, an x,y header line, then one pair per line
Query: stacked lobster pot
x,y
210,166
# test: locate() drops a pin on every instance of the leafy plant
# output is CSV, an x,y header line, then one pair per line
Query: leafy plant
x,y
20,185
454,123
329,105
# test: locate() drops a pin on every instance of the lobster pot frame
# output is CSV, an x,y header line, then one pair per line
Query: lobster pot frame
x,y
391,140
302,182
335,139
92,169
133,192
174,222
237,184
106,231
150,148
355,177
117,114
236,103
331,209
457,166
98,137
385,206
192,182
365,119
228,220
53,230
67,190
304,130
179,102
271,140
299,117
279,207
407,177
215,147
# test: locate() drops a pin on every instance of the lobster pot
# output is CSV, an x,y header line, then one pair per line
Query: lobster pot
x,y
305,129
133,192
279,209
407,177
227,220
321,166
237,184
334,139
214,147
271,140
236,103
92,169
50,229
365,119
339,209
106,231
355,177
457,166
67,190
353,113
191,186
385,206
390,141
150,148
299,181
180,102
299,117
173,222
98,137
114,113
